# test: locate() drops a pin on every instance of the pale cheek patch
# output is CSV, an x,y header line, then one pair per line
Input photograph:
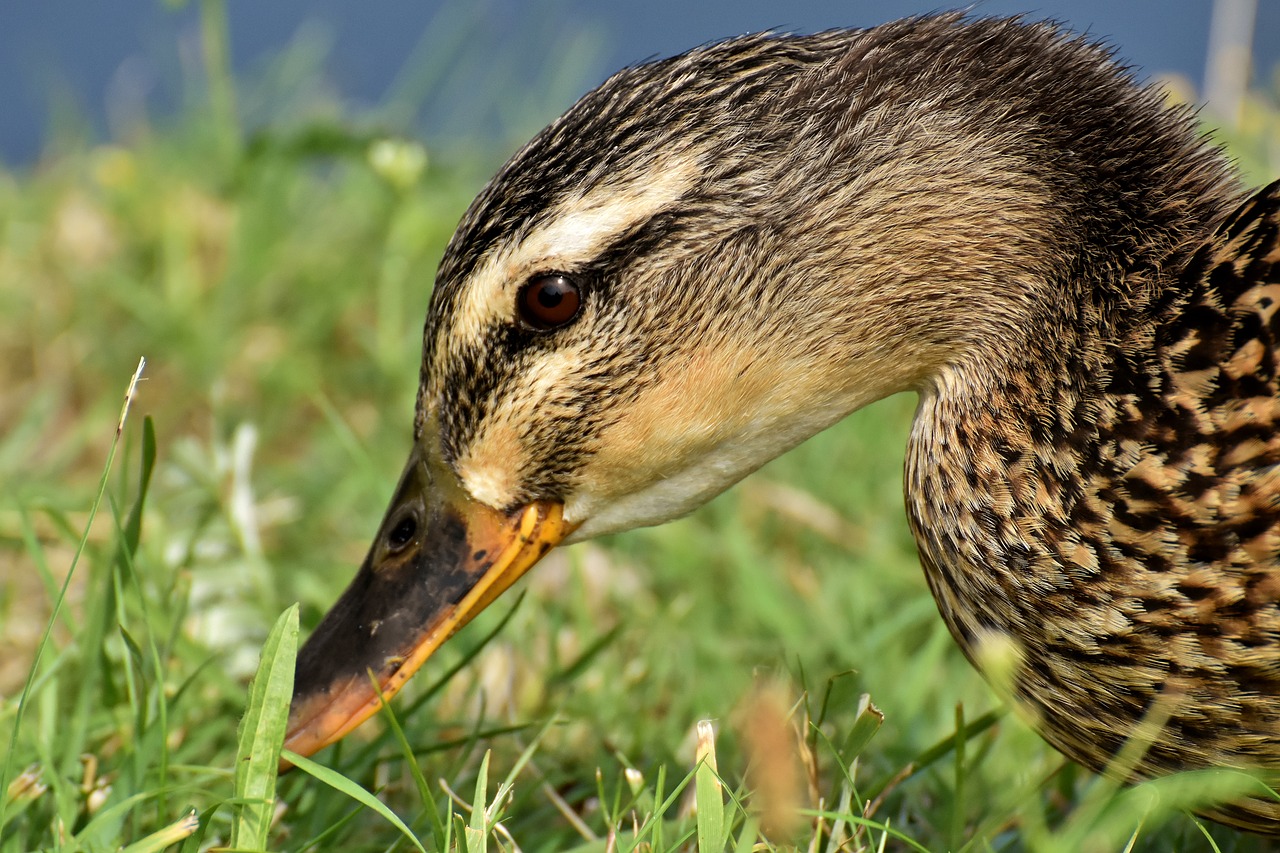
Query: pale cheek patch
x,y
491,467
577,230
712,395
716,415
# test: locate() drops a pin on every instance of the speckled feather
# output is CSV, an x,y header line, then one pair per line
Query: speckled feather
x,y
1122,524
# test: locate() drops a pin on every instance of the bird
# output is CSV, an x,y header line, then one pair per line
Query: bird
x,y
714,256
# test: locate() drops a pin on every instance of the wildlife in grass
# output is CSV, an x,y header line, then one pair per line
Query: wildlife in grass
x,y
712,257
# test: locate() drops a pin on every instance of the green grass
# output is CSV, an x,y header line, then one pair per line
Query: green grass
x,y
277,289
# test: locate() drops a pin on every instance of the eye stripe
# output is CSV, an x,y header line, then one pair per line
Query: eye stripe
x,y
573,235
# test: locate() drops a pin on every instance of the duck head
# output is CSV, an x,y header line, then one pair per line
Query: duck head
x,y
704,262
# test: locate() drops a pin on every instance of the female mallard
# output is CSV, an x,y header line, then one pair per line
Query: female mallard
x,y
712,257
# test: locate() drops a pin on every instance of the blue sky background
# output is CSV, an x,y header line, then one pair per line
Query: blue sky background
x,y
449,69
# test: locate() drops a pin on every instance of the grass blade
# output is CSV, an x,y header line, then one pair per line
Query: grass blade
x,y
707,792
167,837
415,769
478,830
338,782
133,526
262,734
7,770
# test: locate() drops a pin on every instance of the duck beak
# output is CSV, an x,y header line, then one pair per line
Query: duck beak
x,y
439,559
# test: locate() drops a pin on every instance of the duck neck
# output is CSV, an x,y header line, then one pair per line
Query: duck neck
x,y
1014,449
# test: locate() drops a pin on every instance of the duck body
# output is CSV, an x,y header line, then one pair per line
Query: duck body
x,y
1127,533
712,257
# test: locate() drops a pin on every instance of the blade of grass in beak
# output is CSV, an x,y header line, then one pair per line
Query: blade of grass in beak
x,y
262,734
341,783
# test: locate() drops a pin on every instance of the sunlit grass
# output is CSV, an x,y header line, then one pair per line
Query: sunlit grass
x,y
277,292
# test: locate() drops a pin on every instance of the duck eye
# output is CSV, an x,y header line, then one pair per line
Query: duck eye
x,y
402,534
549,301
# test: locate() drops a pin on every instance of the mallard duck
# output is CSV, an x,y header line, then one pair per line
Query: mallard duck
x,y
712,257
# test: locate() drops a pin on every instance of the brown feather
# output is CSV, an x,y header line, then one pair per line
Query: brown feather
x,y
1131,547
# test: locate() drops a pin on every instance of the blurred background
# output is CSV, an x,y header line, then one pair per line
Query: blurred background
x,y
448,70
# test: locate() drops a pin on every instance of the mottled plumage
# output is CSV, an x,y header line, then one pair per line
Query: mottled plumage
x,y
770,232
1121,522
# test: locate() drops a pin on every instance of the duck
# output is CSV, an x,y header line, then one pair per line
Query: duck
x,y
712,257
